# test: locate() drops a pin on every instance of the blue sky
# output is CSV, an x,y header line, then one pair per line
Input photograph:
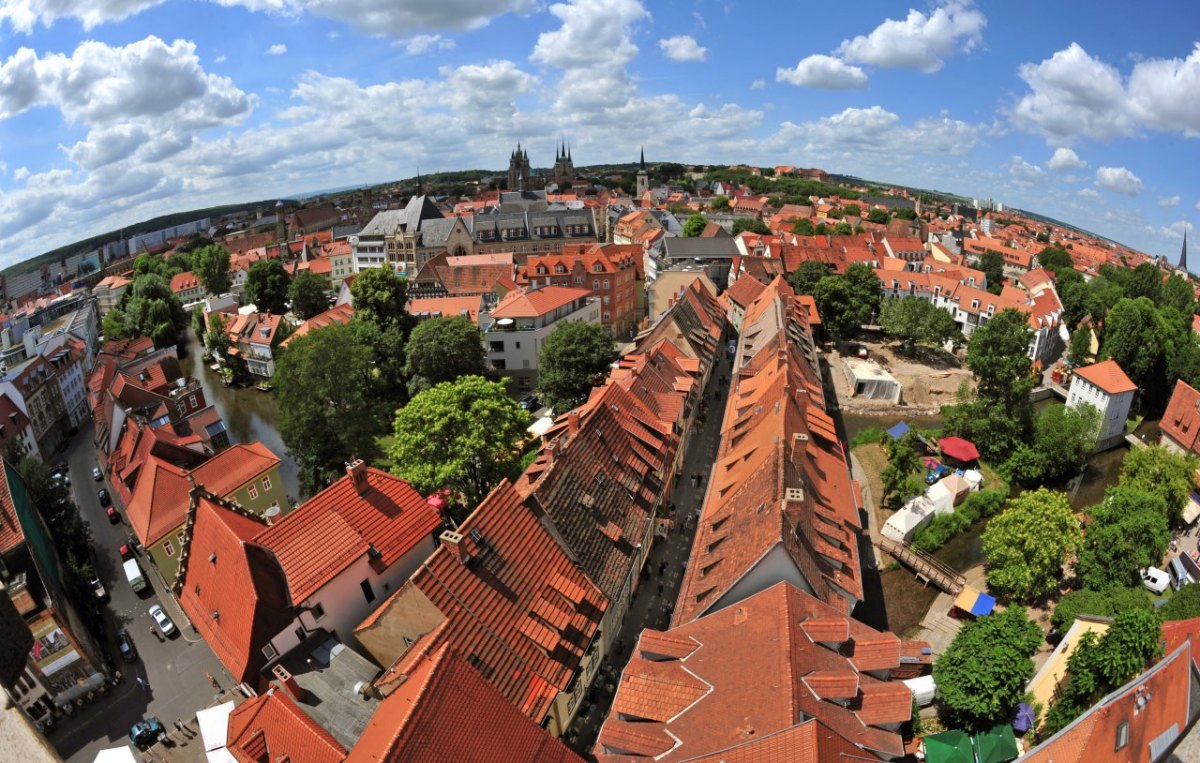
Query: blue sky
x,y
114,111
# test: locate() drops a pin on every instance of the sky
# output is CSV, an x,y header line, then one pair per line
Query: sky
x,y
116,111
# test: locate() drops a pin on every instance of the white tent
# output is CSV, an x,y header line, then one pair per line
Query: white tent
x,y
941,496
923,689
122,754
916,514
214,731
974,478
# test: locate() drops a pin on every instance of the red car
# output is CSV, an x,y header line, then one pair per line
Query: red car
x,y
113,516
126,553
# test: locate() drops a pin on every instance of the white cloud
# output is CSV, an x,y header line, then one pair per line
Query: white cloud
x,y
823,72
1169,202
1175,230
1118,180
682,48
424,43
24,15
919,42
278,49
220,59
394,18
1022,171
758,84
1065,159
855,133
592,32
1074,94
1089,193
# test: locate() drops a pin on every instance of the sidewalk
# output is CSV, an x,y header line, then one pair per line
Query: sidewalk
x,y
651,605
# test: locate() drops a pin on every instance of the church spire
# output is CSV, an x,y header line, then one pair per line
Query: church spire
x,y
420,185
1183,252
568,152
642,163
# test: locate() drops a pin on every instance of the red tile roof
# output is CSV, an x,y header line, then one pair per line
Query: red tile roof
x,y
752,673
231,588
232,468
159,501
745,290
519,608
524,303
184,282
11,534
341,314
1108,376
448,307
326,533
445,712
272,725
1181,421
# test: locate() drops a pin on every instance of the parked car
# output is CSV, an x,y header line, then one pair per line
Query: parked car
x,y
125,644
161,620
530,403
126,552
147,732
1155,579
937,473
113,516
61,476
98,589
102,495
97,474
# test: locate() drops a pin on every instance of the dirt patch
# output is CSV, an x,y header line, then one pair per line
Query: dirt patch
x,y
873,460
930,378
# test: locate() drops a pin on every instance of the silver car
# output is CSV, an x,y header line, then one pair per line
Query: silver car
x,y
161,620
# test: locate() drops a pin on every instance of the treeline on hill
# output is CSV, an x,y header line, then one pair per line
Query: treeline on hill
x,y
157,223
792,190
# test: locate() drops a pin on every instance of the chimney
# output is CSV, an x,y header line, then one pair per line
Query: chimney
x,y
289,683
358,476
454,542
573,423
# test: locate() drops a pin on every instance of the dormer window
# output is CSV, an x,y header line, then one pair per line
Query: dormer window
x,y
597,268
541,269
560,268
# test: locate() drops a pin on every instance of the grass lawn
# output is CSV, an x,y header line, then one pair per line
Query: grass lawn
x,y
873,460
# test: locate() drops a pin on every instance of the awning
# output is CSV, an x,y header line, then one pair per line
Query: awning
x,y
949,747
975,602
958,449
122,754
898,431
996,746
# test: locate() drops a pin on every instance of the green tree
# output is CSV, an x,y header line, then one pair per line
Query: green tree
x,y
308,293
330,411
1177,292
573,359
752,224
1184,605
997,357
148,308
852,210
1144,281
1027,544
441,350
1128,532
879,216
1063,441
464,435
900,479
1104,603
210,263
805,278
381,296
821,229
843,229
1079,350
992,265
803,227
982,674
1133,337
694,225
1055,259
1158,471
199,326
267,286
719,203
154,264
913,320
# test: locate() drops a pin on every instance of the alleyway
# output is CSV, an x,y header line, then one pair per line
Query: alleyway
x,y
649,607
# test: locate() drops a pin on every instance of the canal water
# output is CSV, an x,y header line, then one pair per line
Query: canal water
x,y
248,413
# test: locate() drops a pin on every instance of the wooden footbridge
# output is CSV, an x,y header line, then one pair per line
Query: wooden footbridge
x,y
928,569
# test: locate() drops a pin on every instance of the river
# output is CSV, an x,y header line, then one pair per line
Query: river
x,y
248,413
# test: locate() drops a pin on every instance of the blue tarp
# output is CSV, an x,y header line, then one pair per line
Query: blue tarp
x,y
898,431
983,605
1024,719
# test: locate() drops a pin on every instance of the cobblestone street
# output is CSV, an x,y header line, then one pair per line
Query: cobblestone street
x,y
654,599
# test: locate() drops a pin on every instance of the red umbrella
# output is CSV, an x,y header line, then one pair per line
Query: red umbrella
x,y
958,449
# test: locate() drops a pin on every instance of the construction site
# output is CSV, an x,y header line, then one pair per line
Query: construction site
x,y
872,377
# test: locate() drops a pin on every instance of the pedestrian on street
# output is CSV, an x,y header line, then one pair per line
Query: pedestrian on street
x,y
141,682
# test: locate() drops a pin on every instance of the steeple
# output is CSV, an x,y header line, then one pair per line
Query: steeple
x,y
642,163
420,185
1183,254
568,152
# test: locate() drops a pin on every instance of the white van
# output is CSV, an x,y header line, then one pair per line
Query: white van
x,y
133,573
1179,573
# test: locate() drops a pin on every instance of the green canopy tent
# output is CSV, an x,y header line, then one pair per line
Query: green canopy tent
x,y
996,746
949,747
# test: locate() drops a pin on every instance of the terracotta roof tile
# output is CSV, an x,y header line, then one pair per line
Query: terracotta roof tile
x,y
233,467
524,303
884,703
879,653
833,684
11,534
831,629
272,724
340,314
445,711
1108,376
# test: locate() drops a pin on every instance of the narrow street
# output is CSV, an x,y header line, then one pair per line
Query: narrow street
x,y
651,604
174,670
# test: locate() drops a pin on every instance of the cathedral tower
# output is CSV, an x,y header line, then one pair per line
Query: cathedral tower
x,y
643,180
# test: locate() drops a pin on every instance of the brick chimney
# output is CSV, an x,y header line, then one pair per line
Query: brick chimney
x,y
573,423
358,476
457,546
289,683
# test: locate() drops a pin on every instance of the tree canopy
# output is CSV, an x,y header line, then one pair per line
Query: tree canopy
x,y
1055,259
155,264
913,320
847,301
147,308
982,674
901,479
573,359
210,263
308,294
1128,532
441,350
381,296
330,410
267,286
803,227
694,225
1063,441
718,203
1105,603
1184,605
805,278
1028,542
752,224
992,265
1158,471
879,216
464,435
